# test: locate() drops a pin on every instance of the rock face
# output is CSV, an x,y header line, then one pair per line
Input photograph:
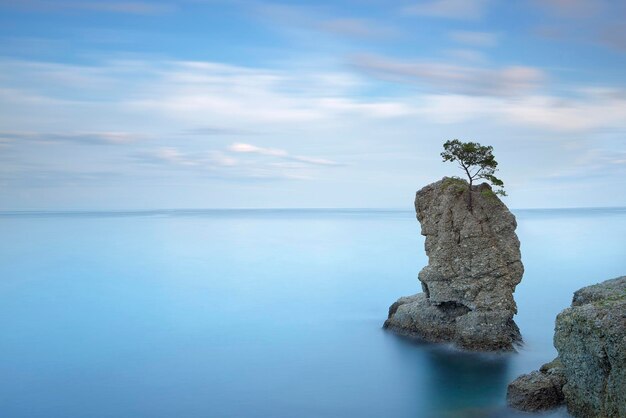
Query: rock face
x,y
474,264
590,369
590,337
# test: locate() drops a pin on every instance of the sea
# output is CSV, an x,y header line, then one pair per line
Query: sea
x,y
261,313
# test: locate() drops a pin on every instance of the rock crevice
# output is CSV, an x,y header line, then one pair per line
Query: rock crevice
x,y
474,265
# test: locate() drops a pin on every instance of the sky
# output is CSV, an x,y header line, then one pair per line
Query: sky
x,y
115,104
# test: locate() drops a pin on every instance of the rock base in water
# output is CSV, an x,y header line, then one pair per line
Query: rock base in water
x,y
537,391
415,316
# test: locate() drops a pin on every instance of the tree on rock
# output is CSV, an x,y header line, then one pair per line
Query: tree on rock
x,y
476,160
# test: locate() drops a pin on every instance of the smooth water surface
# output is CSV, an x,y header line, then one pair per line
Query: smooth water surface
x,y
260,313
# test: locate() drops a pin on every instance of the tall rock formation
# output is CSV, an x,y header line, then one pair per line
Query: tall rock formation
x,y
589,374
474,264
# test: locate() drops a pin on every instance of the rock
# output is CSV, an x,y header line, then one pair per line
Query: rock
x,y
535,392
474,264
590,337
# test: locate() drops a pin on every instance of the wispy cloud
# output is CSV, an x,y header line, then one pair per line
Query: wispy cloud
x,y
589,164
193,90
280,153
232,100
447,78
87,138
50,177
100,6
614,36
182,93
358,28
587,110
174,156
452,9
466,55
599,22
320,19
572,8
217,131
472,38
239,161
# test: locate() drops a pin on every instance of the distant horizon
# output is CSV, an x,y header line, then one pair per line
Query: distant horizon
x,y
266,209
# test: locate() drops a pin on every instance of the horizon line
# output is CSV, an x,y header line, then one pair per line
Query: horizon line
x,y
257,209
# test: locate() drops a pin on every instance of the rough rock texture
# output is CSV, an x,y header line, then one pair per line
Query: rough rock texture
x,y
590,338
539,390
474,264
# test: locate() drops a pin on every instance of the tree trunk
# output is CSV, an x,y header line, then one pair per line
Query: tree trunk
x,y
469,199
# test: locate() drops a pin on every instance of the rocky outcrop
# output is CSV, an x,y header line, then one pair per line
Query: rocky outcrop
x,y
474,264
539,390
590,338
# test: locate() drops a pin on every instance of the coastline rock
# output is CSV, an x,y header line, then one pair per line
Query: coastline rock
x,y
474,265
590,338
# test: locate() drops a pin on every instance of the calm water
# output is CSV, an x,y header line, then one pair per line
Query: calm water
x,y
260,313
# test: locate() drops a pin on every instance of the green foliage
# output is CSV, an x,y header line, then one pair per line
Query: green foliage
x,y
488,194
477,161
458,185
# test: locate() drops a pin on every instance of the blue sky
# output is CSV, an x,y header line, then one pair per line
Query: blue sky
x,y
113,104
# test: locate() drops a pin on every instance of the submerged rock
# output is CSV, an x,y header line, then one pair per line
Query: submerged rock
x,y
474,264
590,369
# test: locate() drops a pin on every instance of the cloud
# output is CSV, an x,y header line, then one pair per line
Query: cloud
x,y
284,13
293,19
44,178
173,156
192,90
217,131
447,78
598,22
452,9
585,111
572,8
614,36
87,138
153,96
478,39
273,152
99,6
590,109
276,164
467,55
358,28
247,148
161,93
591,163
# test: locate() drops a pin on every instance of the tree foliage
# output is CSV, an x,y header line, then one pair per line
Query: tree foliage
x,y
477,161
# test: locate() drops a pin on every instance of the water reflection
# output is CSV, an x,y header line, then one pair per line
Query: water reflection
x,y
465,384
456,384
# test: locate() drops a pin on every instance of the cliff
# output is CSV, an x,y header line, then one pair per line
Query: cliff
x,y
474,265
590,337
